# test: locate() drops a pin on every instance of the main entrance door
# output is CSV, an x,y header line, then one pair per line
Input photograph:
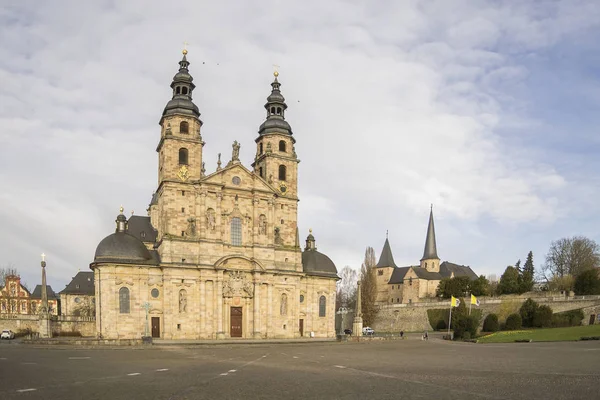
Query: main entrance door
x,y
301,327
155,327
236,322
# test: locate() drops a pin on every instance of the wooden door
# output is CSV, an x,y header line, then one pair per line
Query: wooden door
x,y
301,327
236,322
155,327
592,319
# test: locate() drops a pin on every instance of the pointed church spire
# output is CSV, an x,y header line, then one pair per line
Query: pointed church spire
x,y
183,86
275,107
386,259
430,251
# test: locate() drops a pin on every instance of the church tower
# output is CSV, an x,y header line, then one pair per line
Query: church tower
x,y
430,260
179,153
276,160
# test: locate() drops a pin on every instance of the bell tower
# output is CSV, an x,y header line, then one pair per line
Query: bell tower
x,y
430,260
276,160
179,157
180,146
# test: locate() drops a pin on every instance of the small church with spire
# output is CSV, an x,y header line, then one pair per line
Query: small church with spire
x,y
411,284
218,255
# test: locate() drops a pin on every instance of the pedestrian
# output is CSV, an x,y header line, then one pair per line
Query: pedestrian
x,y
402,334
426,336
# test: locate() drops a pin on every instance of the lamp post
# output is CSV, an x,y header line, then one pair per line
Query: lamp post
x,y
45,328
44,292
146,306
342,311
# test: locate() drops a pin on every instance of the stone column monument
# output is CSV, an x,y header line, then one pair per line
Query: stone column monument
x,y
44,321
357,324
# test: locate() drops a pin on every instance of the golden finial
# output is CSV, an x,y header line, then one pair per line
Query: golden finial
x,y
310,231
185,48
131,212
121,209
275,72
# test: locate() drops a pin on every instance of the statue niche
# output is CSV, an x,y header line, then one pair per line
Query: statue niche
x,y
182,301
211,221
262,224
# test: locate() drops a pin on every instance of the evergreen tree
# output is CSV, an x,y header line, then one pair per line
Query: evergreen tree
x,y
509,281
527,274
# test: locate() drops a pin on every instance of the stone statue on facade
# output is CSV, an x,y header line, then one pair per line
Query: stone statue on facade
x,y
168,129
191,229
219,162
182,301
235,154
262,225
211,222
283,306
269,149
278,239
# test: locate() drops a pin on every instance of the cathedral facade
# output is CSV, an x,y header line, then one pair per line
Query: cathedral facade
x,y
218,255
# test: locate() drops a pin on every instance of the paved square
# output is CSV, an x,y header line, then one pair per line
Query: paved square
x,y
408,369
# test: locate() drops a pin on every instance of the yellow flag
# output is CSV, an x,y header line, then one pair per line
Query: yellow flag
x,y
454,302
474,300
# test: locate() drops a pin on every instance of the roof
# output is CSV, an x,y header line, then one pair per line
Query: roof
x,y
430,250
422,273
37,293
448,268
141,228
82,283
121,247
386,259
398,274
317,263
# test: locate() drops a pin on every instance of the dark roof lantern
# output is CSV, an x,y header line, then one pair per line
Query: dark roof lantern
x,y
275,106
183,86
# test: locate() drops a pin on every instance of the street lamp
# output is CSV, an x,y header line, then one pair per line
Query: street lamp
x,y
342,311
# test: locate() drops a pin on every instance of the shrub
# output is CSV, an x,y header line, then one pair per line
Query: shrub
x,y
587,282
465,327
441,325
528,311
490,323
513,322
437,316
567,318
542,317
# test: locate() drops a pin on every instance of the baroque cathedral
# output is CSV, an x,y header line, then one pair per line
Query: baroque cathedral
x,y
218,255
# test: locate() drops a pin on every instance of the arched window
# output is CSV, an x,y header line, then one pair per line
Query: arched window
x,y
283,306
282,172
278,110
282,145
124,300
260,172
236,231
184,127
177,90
183,156
184,90
322,306
260,146
272,110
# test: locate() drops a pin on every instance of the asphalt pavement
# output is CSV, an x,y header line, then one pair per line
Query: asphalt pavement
x,y
400,369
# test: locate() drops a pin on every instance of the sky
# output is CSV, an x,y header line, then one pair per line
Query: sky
x,y
486,109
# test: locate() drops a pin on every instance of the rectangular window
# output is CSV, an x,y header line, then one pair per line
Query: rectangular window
x,y
183,192
236,231
380,272
182,209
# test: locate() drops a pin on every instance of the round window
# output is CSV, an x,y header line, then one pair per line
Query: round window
x,y
236,180
77,300
154,293
301,298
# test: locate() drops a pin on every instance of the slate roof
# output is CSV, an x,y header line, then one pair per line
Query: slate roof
x,y
141,228
386,259
447,268
430,250
82,283
316,263
37,293
398,274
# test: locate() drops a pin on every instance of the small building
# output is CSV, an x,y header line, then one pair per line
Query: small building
x,y
413,283
77,298
53,300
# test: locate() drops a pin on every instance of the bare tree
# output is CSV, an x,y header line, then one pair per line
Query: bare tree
x,y
368,288
7,271
570,256
346,287
85,308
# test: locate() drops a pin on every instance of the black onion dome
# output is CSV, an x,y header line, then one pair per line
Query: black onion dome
x,y
317,263
182,86
123,248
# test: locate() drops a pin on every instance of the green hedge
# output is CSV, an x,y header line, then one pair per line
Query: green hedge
x,y
513,322
567,318
438,318
490,323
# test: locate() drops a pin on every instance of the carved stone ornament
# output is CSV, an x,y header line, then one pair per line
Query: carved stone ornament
x,y
237,286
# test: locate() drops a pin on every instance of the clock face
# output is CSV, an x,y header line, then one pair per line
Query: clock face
x,y
183,173
283,188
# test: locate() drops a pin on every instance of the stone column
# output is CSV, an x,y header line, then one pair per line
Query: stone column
x,y
357,324
219,283
45,328
202,308
256,307
269,309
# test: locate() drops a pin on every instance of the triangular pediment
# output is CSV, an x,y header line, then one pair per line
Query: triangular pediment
x,y
236,176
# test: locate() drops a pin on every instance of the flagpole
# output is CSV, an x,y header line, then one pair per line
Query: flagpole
x,y
450,319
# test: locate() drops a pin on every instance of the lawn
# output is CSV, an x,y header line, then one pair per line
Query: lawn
x,y
542,335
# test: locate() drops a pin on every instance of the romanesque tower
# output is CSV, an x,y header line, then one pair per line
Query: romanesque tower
x,y
179,154
276,160
430,260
